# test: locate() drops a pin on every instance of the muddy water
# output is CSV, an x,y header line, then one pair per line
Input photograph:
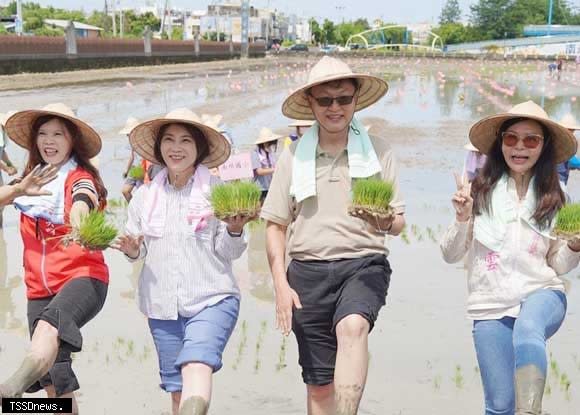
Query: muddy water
x,y
421,346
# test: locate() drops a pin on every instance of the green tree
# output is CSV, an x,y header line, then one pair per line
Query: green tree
x,y
452,33
177,33
451,13
328,32
490,17
316,31
48,31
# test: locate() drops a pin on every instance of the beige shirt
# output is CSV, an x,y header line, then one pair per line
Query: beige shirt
x,y
321,228
498,282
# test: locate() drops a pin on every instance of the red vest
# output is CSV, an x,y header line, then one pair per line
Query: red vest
x,y
48,264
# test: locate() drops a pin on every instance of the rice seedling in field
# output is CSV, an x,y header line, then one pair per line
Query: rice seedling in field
x,y
235,198
241,345
282,356
94,232
261,334
372,196
568,222
458,378
136,173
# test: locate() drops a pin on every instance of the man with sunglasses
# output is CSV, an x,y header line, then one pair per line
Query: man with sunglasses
x,y
337,281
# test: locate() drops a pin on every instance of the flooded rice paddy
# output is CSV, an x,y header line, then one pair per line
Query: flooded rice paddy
x,y
422,359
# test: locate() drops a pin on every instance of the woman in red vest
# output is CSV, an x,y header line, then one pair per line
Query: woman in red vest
x,y
66,285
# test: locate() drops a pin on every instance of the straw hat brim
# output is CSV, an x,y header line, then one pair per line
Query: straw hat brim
x,y
19,129
143,136
470,147
483,134
574,127
301,123
371,89
262,140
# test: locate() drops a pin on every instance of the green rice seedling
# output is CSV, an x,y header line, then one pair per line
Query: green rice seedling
x,y
431,234
554,368
258,364
415,230
241,345
405,236
568,222
236,198
565,383
282,356
437,383
372,196
94,232
458,378
136,173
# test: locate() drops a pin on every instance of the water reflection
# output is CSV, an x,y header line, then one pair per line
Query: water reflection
x,y
261,285
7,286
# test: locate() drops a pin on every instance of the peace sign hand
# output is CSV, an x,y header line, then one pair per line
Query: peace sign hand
x,y
462,200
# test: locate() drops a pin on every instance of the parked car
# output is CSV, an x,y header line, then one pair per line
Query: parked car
x,y
355,46
299,47
329,49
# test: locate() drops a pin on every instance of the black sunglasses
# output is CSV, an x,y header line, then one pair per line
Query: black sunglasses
x,y
328,101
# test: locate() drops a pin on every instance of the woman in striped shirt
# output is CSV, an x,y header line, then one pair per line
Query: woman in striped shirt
x,y
66,285
186,288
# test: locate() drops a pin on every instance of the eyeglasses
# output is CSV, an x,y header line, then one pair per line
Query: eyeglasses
x,y
510,139
328,101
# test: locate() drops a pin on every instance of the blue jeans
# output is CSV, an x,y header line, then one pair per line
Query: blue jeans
x,y
509,343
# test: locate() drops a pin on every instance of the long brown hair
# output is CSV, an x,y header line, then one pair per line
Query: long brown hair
x,y
78,152
550,197
201,143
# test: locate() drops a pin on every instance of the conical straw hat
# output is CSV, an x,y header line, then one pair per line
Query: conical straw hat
x,y
267,135
143,137
569,121
484,132
131,123
371,88
19,127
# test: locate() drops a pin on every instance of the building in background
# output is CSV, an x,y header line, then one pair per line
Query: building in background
x,y
81,29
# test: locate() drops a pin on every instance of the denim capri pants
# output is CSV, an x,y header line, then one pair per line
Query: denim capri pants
x,y
200,339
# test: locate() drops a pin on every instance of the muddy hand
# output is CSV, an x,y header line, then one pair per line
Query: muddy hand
x,y
380,222
128,244
236,223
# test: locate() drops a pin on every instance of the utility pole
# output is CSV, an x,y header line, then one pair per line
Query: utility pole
x,y
162,30
340,9
122,26
550,17
114,18
268,25
19,22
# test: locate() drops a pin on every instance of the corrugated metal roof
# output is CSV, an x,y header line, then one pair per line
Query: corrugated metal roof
x,y
77,25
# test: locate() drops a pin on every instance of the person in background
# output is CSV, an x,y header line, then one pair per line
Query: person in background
x,y
570,123
301,126
474,161
264,159
5,163
135,160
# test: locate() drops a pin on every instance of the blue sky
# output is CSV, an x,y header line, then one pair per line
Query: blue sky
x,y
400,11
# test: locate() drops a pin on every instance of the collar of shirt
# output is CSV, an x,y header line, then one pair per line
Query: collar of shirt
x,y
322,153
